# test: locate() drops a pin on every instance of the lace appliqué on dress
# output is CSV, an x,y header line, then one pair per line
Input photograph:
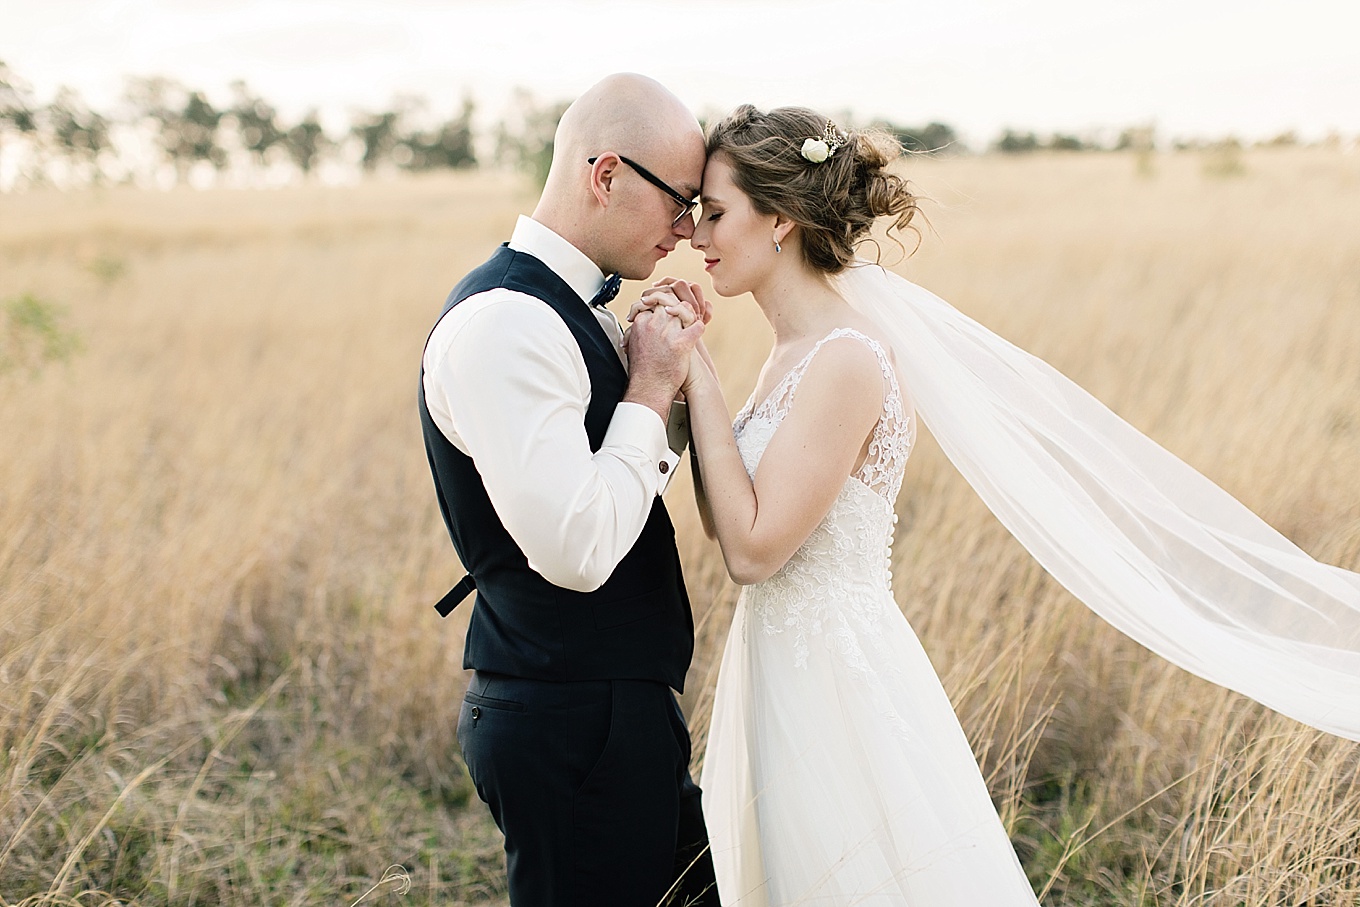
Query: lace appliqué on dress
x,y
838,582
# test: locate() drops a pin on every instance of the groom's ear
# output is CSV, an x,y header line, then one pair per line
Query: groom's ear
x,y
602,173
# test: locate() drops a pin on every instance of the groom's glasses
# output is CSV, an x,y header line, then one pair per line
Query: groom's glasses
x,y
686,204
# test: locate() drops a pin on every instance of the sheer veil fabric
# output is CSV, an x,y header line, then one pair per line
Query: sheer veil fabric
x,y
1145,541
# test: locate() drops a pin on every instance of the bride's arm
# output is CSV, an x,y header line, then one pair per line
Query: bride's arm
x,y
761,523
701,360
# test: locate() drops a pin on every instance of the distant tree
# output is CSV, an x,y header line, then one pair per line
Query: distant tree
x,y
186,122
525,141
1287,139
16,104
931,138
255,121
1061,142
1137,138
1017,142
1223,158
379,134
1142,141
449,146
76,132
17,117
306,142
198,132
152,97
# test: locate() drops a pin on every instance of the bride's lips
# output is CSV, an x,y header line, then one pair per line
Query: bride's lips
x,y
710,262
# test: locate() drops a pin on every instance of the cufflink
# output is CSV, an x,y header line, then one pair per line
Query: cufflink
x,y
664,467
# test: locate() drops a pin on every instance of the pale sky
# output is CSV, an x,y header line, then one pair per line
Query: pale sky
x,y
1194,67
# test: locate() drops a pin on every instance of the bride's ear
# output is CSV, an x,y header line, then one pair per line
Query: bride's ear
x,y
782,228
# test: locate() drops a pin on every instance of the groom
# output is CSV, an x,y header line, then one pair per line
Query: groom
x,y
549,452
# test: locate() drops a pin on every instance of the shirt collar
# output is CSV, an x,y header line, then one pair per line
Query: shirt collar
x,y
565,260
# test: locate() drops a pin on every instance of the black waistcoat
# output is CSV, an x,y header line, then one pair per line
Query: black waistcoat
x,y
638,624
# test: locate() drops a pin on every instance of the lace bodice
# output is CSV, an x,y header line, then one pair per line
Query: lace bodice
x,y
839,581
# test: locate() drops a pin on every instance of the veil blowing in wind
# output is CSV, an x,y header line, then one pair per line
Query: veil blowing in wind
x,y
1142,539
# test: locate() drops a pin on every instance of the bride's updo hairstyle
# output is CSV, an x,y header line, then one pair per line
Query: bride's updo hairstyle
x,y
834,202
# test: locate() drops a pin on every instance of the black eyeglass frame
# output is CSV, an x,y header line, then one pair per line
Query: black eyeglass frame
x,y
687,205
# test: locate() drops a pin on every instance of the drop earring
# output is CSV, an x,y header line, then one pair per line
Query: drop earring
x,y
777,247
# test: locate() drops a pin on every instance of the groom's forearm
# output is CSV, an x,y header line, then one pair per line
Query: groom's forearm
x,y
574,513
656,395
508,388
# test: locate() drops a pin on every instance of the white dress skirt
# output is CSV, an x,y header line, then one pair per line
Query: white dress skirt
x,y
836,771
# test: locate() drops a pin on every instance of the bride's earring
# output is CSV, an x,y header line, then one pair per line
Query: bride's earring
x,y
777,247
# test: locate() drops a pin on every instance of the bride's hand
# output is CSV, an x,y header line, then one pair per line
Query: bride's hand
x,y
661,300
689,293
702,350
700,369
681,298
652,298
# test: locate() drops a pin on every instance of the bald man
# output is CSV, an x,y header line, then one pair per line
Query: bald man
x,y
548,444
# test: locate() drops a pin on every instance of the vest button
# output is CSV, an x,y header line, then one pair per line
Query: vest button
x,y
664,467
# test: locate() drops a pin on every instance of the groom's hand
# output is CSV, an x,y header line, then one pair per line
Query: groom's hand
x,y
689,294
682,298
659,348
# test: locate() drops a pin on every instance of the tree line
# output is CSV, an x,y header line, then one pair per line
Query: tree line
x,y
165,132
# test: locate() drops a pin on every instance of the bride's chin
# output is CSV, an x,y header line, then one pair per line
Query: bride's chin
x,y
725,291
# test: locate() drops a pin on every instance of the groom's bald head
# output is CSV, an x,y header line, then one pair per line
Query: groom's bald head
x,y
628,112
607,209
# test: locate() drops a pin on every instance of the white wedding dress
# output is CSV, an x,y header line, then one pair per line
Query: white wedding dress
x,y
836,771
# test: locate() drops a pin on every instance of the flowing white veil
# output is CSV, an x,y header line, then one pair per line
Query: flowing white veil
x,y
1144,540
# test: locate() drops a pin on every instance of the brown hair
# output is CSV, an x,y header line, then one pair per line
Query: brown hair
x,y
835,202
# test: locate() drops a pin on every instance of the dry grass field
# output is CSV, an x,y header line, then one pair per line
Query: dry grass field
x,y
221,681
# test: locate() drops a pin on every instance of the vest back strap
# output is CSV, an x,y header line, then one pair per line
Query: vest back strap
x,y
455,596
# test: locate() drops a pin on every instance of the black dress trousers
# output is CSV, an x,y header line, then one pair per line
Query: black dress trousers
x,y
589,782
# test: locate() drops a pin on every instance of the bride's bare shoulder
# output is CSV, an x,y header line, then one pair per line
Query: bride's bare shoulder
x,y
845,368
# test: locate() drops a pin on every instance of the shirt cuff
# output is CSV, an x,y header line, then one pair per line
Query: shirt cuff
x,y
638,427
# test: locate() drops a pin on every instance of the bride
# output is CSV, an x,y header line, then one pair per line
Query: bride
x,y
836,770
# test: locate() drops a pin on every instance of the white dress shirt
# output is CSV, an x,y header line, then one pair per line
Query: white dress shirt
x,y
506,384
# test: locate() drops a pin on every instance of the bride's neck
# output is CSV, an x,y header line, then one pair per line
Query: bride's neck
x,y
798,303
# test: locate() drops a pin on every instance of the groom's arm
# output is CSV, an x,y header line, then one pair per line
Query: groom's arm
x,y
505,382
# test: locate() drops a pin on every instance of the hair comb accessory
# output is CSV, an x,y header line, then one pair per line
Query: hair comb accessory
x,y
820,148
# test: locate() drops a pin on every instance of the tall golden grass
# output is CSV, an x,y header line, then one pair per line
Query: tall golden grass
x,y
221,681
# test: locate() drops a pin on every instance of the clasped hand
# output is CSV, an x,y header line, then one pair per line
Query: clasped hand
x,y
679,301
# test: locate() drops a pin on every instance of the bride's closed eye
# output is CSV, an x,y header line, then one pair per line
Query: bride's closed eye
x,y
713,216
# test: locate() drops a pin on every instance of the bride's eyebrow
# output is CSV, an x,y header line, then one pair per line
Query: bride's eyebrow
x,y
707,200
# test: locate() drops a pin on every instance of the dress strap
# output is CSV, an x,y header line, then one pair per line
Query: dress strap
x,y
781,397
884,363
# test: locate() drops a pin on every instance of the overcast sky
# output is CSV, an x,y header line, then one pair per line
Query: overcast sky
x,y
1195,67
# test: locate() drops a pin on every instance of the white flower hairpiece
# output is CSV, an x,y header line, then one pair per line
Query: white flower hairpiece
x,y
822,147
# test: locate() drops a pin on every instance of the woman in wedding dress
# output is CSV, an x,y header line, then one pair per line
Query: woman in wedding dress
x,y
836,771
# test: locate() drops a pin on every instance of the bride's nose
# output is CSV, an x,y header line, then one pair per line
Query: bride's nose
x,y
699,238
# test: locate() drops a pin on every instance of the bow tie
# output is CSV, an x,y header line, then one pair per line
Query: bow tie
x,y
608,291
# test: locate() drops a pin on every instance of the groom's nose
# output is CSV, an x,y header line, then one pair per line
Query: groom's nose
x,y
684,227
